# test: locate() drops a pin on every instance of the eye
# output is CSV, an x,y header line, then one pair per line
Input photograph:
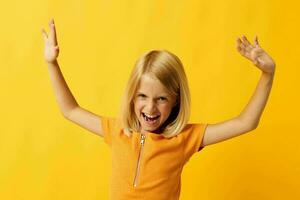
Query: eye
x,y
162,98
141,95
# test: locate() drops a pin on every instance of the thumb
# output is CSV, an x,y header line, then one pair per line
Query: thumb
x,y
256,41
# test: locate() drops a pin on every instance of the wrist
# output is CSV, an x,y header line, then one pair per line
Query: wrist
x,y
271,73
268,76
54,62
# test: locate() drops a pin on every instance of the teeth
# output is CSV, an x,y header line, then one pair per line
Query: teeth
x,y
147,117
150,116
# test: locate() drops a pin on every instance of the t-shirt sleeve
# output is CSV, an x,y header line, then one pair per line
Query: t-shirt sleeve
x,y
108,127
193,139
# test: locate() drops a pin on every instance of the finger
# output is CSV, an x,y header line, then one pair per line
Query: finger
x,y
256,41
45,36
246,41
241,50
238,40
244,45
52,32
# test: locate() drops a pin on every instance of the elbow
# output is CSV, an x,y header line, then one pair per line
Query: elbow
x,y
250,124
254,125
65,115
67,112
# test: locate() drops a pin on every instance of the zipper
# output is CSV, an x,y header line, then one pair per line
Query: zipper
x,y
135,182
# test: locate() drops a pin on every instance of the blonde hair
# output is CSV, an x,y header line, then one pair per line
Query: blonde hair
x,y
168,69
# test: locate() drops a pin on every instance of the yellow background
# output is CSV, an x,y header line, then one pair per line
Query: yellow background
x,y
45,157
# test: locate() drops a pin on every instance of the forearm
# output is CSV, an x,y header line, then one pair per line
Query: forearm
x,y
64,97
254,109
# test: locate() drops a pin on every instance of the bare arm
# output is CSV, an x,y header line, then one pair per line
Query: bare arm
x,y
66,101
255,107
249,118
64,97
247,121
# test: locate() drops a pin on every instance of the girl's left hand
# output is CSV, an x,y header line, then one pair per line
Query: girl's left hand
x,y
256,54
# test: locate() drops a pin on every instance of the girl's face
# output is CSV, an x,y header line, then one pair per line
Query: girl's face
x,y
153,103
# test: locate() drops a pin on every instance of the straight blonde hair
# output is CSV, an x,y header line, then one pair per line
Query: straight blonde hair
x,y
168,69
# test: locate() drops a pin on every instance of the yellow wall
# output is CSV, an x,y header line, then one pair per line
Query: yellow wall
x,y
44,156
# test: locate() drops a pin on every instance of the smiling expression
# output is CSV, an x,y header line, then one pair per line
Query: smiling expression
x,y
153,103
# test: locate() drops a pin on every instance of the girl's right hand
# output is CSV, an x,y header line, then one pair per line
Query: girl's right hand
x,y
51,46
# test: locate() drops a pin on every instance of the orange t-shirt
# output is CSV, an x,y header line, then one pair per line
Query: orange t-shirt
x,y
160,161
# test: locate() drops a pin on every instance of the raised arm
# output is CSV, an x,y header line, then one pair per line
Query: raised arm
x,y
69,108
249,118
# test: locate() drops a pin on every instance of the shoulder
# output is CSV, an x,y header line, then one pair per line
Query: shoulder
x,y
194,130
110,124
195,127
193,136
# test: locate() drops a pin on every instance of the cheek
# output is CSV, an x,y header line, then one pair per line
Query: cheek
x,y
165,109
137,106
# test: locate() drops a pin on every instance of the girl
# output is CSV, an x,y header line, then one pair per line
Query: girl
x,y
151,140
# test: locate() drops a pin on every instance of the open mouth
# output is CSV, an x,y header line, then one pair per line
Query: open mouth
x,y
149,118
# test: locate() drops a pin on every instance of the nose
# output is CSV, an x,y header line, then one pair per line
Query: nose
x,y
151,106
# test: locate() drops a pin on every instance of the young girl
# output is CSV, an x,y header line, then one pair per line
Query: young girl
x,y
151,140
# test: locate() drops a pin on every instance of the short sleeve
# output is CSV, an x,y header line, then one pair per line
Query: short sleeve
x,y
193,139
108,127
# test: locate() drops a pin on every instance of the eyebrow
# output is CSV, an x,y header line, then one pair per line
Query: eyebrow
x,y
162,95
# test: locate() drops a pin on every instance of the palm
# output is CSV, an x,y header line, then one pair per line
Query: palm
x,y
51,48
255,54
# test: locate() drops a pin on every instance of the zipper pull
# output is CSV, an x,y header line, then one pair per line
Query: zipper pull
x,y
143,139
